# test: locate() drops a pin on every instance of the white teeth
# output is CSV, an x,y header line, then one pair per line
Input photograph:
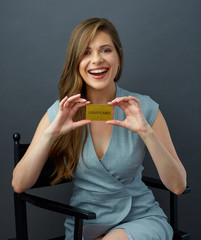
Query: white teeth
x,y
98,71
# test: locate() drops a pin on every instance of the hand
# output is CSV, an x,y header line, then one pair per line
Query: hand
x,y
63,122
135,120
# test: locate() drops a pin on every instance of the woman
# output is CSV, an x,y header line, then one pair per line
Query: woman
x,y
104,159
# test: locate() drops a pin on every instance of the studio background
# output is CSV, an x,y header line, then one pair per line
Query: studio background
x,y
161,41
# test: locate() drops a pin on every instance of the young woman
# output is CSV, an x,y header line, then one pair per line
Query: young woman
x,y
104,159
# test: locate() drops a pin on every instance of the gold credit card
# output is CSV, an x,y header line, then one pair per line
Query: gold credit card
x,y
98,112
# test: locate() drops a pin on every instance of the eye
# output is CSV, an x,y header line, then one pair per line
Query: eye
x,y
86,53
106,50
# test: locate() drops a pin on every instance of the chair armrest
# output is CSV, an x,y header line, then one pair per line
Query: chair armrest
x,y
57,207
157,183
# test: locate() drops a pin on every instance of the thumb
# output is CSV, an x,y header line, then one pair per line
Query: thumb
x,y
115,122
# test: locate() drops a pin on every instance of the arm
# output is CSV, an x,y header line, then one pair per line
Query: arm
x,y
160,146
157,140
29,167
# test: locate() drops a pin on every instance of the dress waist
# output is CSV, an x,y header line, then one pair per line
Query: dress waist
x,y
99,196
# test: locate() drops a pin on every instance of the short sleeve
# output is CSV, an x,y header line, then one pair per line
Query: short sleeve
x,y
150,109
149,106
52,111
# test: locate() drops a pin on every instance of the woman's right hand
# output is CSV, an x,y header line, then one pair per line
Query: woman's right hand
x,y
63,122
29,167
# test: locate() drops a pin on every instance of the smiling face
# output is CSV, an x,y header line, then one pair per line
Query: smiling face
x,y
100,63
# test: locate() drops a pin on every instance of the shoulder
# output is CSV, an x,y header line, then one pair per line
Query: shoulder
x,y
144,99
123,92
149,106
52,110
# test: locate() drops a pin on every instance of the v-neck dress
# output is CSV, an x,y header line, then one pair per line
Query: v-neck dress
x,y
113,188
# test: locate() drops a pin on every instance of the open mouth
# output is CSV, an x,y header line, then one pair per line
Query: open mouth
x,y
98,72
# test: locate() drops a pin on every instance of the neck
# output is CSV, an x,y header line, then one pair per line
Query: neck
x,y
101,96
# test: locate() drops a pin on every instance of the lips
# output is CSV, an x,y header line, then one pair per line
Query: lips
x,y
98,71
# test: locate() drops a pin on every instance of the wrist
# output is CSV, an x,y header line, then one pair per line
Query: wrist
x,y
50,137
146,132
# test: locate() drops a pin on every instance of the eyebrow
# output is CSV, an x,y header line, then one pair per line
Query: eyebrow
x,y
102,46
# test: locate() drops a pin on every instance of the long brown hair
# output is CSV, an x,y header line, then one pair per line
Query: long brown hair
x,y
66,149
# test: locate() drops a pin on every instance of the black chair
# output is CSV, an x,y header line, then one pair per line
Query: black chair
x,y
157,183
44,180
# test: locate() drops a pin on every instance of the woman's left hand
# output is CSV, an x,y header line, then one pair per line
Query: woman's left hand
x,y
135,120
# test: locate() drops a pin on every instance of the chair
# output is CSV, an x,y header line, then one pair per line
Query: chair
x,y
44,180
157,183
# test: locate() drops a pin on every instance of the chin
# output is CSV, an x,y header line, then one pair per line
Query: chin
x,y
101,85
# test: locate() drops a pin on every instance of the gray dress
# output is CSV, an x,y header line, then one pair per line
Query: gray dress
x,y
112,187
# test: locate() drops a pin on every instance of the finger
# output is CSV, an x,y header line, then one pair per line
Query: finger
x,y
134,98
76,106
119,100
61,104
114,101
128,99
74,97
81,100
136,102
72,100
77,103
122,104
81,123
115,122
125,102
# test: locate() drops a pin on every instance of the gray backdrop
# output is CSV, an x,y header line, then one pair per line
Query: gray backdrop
x,y
161,41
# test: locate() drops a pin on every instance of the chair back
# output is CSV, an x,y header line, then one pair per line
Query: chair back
x,y
45,177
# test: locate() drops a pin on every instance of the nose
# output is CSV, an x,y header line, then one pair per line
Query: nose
x,y
96,58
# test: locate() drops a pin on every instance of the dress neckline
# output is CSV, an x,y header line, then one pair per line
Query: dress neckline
x,y
111,136
108,147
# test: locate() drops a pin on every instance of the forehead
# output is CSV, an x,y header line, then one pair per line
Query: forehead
x,y
101,38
